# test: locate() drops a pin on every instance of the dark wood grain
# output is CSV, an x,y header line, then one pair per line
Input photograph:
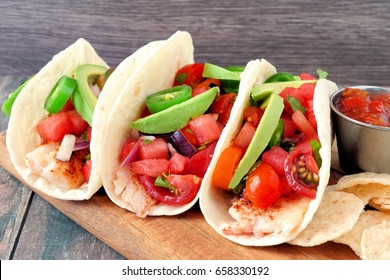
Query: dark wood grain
x,y
186,236
347,38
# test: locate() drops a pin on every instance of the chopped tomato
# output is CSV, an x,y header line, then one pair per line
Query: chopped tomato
x,y
289,127
244,137
205,86
190,74
187,188
286,188
303,125
222,102
253,115
150,167
310,114
223,105
275,157
302,171
295,93
87,170
200,161
55,127
263,186
68,106
224,117
307,90
190,136
157,149
306,76
79,125
205,128
177,163
226,166
127,147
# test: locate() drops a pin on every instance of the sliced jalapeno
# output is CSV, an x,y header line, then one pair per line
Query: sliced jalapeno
x,y
164,99
60,93
280,77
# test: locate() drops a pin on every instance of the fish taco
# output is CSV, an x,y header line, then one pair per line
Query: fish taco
x,y
163,133
53,134
267,179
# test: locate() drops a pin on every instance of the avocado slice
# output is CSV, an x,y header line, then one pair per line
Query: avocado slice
x,y
177,116
86,74
262,91
260,140
216,72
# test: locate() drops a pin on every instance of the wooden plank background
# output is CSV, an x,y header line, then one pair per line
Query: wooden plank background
x,y
349,39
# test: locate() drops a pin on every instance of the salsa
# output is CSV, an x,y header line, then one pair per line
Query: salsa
x,y
359,105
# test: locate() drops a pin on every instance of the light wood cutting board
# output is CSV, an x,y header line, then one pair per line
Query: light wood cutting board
x,y
186,236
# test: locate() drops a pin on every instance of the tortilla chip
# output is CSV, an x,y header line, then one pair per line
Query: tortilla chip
x,y
381,204
375,242
370,236
336,215
367,220
367,186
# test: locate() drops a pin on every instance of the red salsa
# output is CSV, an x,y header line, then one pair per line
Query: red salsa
x,y
359,105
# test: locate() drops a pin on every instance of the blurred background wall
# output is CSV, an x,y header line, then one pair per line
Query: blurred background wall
x,y
349,39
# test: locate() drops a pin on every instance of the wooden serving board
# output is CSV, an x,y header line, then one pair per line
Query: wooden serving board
x,y
186,236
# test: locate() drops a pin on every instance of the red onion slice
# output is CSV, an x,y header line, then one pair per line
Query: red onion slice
x,y
80,145
181,143
131,156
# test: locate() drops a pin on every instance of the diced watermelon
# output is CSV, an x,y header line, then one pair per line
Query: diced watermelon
x,y
276,157
157,149
150,167
205,128
177,163
245,136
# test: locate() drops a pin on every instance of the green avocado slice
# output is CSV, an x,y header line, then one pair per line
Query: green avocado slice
x,y
220,73
86,101
262,91
260,140
177,116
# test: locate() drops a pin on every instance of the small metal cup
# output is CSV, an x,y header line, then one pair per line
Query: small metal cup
x,y
361,146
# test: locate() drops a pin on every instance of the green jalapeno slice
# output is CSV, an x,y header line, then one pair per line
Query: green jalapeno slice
x,y
164,99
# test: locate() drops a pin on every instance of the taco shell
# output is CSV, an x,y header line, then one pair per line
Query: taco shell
x,y
28,110
287,217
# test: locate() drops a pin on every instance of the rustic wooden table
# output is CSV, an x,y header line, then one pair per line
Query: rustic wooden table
x,y
349,40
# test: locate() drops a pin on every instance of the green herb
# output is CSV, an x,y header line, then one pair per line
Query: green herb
x,y
277,136
322,74
295,104
163,183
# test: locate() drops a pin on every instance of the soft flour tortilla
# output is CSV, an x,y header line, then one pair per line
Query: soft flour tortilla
x,y
28,111
156,73
215,203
